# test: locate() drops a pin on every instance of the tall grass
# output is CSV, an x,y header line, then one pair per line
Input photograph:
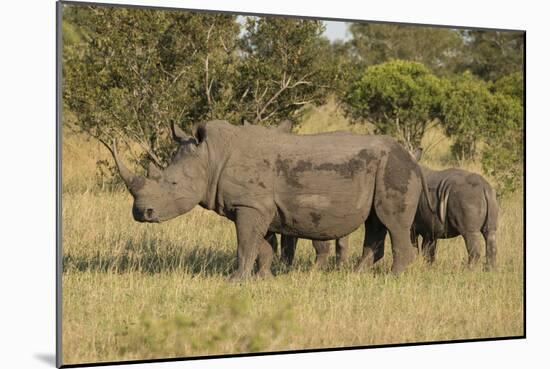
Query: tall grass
x,y
136,291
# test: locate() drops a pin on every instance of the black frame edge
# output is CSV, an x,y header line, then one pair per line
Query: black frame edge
x,y
58,184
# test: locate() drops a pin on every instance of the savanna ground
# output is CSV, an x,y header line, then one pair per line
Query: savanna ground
x,y
143,291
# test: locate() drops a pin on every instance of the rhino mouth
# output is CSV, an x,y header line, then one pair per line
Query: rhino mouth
x,y
147,215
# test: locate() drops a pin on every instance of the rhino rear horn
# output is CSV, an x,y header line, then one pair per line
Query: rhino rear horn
x,y
178,134
153,171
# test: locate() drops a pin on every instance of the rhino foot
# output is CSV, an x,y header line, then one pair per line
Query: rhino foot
x,y
238,276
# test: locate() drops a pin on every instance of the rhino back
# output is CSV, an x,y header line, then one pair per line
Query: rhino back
x,y
319,185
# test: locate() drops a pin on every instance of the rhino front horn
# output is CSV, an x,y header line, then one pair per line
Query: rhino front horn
x,y
125,173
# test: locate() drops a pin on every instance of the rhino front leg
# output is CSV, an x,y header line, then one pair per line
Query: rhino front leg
x,y
251,229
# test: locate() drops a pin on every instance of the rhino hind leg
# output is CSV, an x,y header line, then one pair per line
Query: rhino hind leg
x,y
342,250
490,249
429,247
265,258
373,243
288,249
403,252
271,238
472,241
251,244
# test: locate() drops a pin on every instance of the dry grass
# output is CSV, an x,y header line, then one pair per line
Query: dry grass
x,y
136,291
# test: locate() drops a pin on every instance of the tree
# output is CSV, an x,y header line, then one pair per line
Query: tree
x,y
465,114
491,55
400,98
135,70
129,72
511,85
503,156
434,47
282,68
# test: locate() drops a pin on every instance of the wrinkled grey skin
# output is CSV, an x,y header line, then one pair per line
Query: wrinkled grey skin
x,y
466,206
319,187
288,243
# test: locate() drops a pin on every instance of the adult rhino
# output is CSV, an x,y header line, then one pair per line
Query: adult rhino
x,y
319,187
466,206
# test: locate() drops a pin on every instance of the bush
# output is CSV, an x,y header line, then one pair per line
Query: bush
x,y
465,114
400,98
503,156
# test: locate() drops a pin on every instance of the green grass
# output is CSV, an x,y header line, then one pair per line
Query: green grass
x,y
138,291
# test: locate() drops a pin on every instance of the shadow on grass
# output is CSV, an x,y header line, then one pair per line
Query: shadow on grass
x,y
153,256
158,255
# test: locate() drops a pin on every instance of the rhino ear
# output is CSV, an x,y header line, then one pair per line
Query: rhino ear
x,y
246,123
153,172
285,126
418,153
200,133
178,134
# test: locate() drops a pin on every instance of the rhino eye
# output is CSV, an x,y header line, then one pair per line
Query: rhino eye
x,y
173,183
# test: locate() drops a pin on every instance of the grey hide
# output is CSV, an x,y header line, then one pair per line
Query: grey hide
x,y
288,243
318,187
466,206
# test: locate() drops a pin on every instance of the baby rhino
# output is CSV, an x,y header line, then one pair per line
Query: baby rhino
x,y
466,206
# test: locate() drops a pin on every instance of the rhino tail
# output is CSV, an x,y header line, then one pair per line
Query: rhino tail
x,y
490,227
491,218
426,192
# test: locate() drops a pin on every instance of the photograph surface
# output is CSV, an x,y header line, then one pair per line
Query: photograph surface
x,y
240,184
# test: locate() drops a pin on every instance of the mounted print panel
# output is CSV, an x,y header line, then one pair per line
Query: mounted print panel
x,y
235,184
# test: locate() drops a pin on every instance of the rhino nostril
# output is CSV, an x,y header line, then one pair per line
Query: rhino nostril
x,y
149,213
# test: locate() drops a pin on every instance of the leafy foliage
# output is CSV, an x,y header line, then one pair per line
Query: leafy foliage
x,y
130,72
139,69
436,48
465,112
400,98
471,113
503,157
281,69
511,85
491,55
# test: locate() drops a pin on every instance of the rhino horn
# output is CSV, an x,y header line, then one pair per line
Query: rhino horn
x,y
178,134
153,171
125,173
